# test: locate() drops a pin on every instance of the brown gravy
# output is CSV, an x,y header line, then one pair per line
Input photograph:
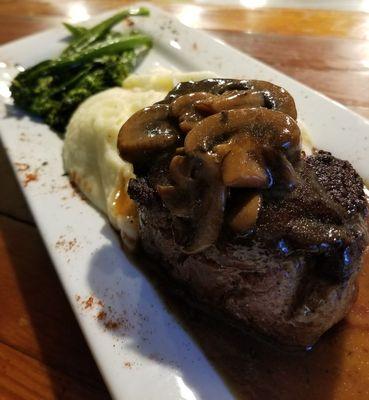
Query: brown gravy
x,y
337,368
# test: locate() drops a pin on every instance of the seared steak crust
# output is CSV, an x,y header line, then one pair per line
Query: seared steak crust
x,y
273,282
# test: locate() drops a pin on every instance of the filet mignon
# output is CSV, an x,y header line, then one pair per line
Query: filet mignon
x,y
248,227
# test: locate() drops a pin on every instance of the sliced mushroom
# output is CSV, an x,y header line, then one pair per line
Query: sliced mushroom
x,y
184,108
179,198
274,97
282,169
237,131
241,168
180,151
209,215
198,196
210,86
245,216
227,150
264,127
231,100
180,170
147,131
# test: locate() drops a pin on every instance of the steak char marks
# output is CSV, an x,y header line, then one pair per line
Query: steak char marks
x,y
251,229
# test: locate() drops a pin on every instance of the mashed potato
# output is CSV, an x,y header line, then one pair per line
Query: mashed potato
x,y
90,147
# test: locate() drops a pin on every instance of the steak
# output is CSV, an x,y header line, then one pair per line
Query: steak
x,y
248,228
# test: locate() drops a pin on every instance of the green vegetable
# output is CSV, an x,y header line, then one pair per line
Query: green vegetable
x,y
100,30
95,59
76,31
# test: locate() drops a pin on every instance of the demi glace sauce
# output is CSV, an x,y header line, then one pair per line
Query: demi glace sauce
x,y
336,368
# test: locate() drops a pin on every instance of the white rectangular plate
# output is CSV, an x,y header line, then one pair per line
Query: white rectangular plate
x,y
148,355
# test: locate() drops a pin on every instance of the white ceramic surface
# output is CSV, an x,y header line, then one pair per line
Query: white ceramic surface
x,y
149,355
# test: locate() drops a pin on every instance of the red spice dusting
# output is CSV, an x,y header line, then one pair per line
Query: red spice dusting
x,y
88,303
110,319
111,324
101,315
21,166
78,297
71,244
29,178
66,245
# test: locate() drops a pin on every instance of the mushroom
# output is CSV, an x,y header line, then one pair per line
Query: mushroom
x,y
237,139
184,108
210,86
283,170
261,94
147,131
179,198
244,217
208,217
239,134
225,150
275,97
242,169
230,100
242,166
197,196
262,128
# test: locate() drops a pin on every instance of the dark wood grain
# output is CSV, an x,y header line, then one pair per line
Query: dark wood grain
x,y
25,378
337,67
42,352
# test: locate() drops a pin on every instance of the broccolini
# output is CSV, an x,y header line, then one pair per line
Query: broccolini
x,y
95,59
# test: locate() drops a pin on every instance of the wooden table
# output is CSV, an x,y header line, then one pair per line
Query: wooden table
x,y
42,352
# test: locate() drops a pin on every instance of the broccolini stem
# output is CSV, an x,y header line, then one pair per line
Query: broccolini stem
x,y
76,31
101,29
113,46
